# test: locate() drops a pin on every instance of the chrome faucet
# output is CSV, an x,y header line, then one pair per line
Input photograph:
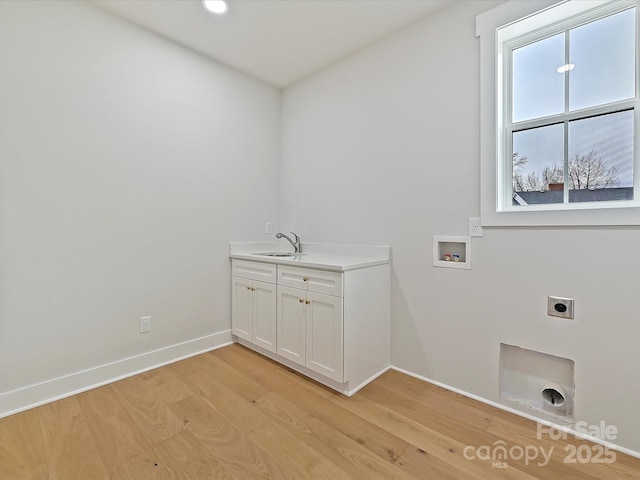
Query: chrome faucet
x,y
296,244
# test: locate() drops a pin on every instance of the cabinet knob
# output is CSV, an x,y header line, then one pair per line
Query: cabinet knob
x,y
305,279
301,300
248,288
253,289
308,302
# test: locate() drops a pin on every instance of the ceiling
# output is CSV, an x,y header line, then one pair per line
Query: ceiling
x,y
278,41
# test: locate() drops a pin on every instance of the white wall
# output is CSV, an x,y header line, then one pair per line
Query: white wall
x,y
127,164
384,148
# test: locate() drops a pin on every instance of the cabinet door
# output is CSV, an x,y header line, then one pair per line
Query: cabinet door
x,y
324,335
291,324
242,308
264,315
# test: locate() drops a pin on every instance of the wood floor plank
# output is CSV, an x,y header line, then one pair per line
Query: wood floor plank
x,y
167,384
413,387
421,465
185,458
243,385
151,415
70,449
457,422
294,455
123,448
225,442
344,452
277,379
625,466
440,446
22,455
436,401
240,411
244,359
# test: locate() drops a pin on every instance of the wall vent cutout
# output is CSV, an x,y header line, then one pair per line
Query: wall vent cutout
x,y
537,380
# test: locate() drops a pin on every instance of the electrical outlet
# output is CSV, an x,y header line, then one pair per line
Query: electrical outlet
x,y
145,324
268,229
560,307
475,227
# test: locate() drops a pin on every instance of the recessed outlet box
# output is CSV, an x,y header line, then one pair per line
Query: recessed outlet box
x,y
145,324
560,307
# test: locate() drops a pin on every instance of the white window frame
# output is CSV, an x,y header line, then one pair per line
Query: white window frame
x,y
496,28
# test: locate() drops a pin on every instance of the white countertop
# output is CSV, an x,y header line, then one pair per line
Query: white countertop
x,y
337,258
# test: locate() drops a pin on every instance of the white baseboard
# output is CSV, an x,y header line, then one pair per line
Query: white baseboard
x,y
542,421
38,394
357,388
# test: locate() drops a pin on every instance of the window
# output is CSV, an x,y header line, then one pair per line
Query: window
x,y
560,114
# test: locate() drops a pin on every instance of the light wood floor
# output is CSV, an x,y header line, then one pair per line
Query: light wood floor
x,y
232,414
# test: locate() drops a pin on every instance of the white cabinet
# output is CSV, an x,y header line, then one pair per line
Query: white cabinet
x,y
242,308
324,335
253,304
310,319
264,315
332,326
310,331
291,324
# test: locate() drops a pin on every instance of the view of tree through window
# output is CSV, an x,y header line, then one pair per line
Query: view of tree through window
x,y
572,135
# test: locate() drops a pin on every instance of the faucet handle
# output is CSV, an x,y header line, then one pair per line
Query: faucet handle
x,y
296,244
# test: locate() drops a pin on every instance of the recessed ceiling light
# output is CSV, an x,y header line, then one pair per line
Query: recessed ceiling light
x,y
567,67
217,7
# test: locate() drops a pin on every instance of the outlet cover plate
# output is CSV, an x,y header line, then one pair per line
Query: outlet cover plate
x,y
560,307
475,227
145,324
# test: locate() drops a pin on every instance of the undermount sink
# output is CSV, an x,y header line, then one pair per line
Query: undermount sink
x,y
278,254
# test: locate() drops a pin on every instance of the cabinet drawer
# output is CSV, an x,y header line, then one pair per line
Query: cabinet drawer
x,y
264,272
319,281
